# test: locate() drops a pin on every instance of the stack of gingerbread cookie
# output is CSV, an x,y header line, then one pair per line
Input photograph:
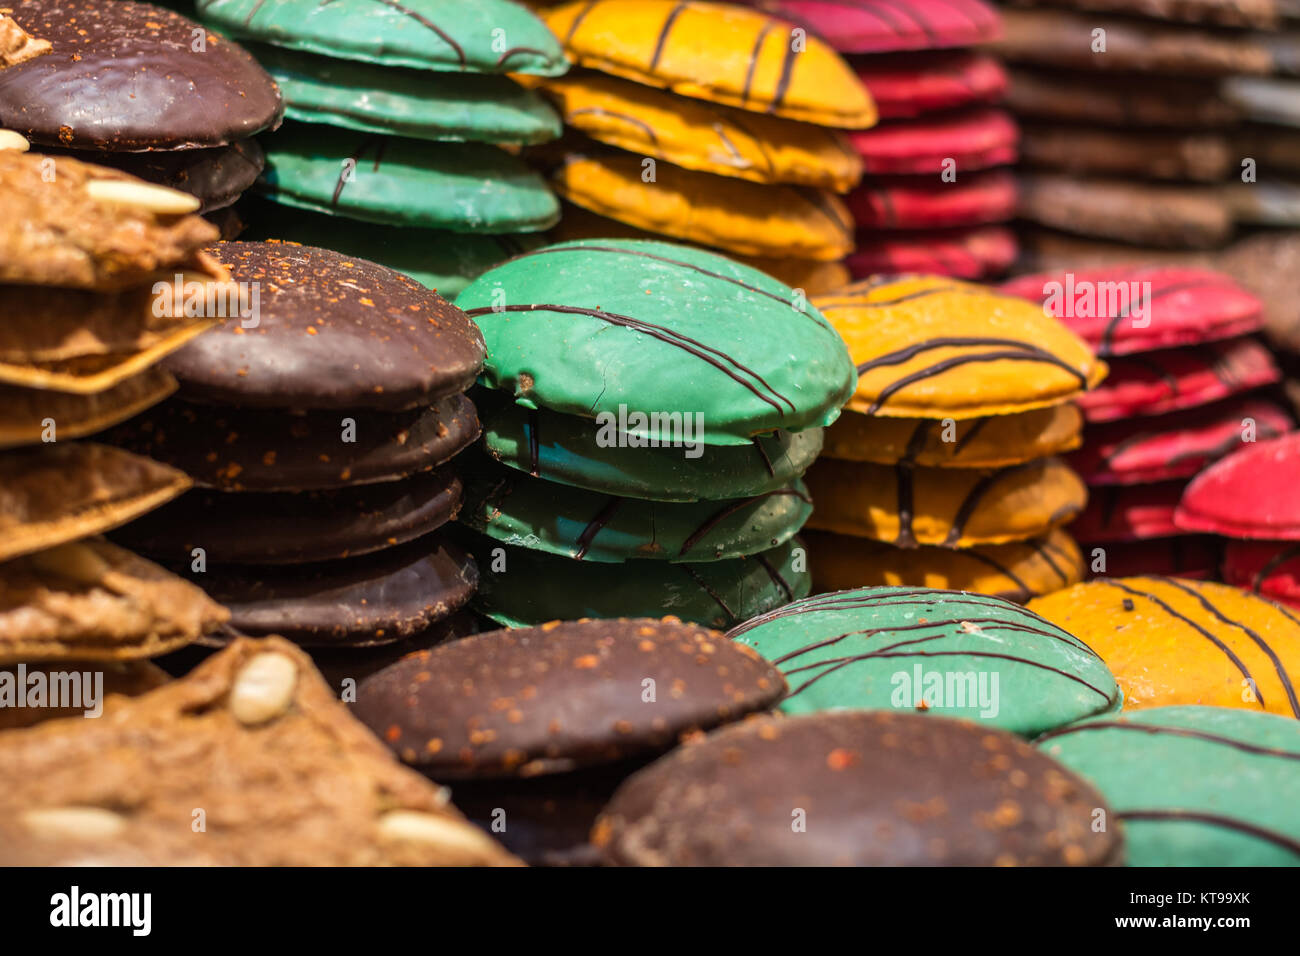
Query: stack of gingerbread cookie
x,y
402,120
88,257
648,412
709,123
942,471
141,89
1183,391
1129,132
937,194
317,428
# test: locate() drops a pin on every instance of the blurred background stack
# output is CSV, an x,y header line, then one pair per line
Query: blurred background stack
x,y
937,192
688,122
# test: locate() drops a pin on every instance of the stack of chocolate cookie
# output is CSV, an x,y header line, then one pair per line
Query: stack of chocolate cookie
x,y
1184,390
139,88
936,191
649,412
317,427
941,471
88,256
1128,126
709,123
398,115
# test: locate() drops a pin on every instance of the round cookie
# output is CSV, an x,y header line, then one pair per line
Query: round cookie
x,y
1167,216
1194,786
445,262
973,139
237,449
296,527
1250,494
992,442
955,508
462,187
1173,102
562,696
1118,513
906,202
749,218
961,253
1260,14
511,507
329,329
340,664
587,327
1066,40
519,587
1144,450
882,648
1180,556
1268,568
1180,305
1016,571
1173,379
444,35
418,104
126,77
25,412
908,85
1175,155
931,347
703,136
359,602
716,52
1170,641
814,277
868,26
54,493
864,777
576,451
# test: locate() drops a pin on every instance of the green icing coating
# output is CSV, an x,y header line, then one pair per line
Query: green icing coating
x,y
517,509
463,36
1194,786
574,451
949,653
443,261
519,587
461,187
585,327
437,106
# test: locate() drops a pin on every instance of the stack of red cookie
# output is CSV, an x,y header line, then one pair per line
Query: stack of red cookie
x,y
1182,393
1250,498
933,197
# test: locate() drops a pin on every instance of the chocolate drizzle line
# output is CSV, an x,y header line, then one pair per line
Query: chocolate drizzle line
x,y
381,144
1214,819
594,526
1263,645
971,432
663,35
903,478
775,575
534,444
1002,570
423,21
1166,731
977,494
753,60
1044,550
1227,651
704,586
1108,335
640,124
1272,564
676,339
731,508
762,453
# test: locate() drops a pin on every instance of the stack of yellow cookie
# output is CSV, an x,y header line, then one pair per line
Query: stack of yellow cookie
x,y
940,472
710,123
88,257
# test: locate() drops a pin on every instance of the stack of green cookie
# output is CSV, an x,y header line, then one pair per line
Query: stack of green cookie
x,y
648,411
397,115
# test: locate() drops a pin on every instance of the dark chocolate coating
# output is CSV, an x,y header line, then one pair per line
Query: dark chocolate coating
x,y
870,788
338,663
125,76
333,332
295,527
237,449
563,695
358,602
218,176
